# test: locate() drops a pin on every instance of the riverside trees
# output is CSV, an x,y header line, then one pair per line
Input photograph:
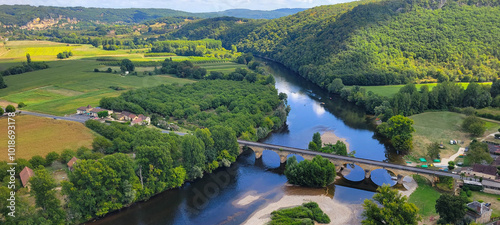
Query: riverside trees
x,y
318,172
394,209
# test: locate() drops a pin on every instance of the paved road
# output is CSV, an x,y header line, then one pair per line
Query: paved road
x,y
351,159
75,118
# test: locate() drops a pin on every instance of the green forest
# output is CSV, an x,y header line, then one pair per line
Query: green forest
x,y
252,110
378,42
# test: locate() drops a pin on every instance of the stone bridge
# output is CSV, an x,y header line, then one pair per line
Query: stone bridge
x,y
340,162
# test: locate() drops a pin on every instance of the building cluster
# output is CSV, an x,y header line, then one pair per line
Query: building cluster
x,y
120,116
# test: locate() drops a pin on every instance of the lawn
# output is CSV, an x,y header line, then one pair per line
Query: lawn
x,y
491,198
390,90
39,136
424,197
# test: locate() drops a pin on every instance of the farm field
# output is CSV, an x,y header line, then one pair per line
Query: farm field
x,y
441,127
69,84
39,136
390,90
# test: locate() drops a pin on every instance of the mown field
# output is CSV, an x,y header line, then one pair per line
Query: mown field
x,y
390,90
39,136
441,127
71,83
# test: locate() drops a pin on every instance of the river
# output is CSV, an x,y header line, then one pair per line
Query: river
x,y
212,199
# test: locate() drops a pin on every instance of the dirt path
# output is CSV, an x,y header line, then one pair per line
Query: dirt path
x,y
444,161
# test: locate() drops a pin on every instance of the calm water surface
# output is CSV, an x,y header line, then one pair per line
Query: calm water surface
x,y
212,199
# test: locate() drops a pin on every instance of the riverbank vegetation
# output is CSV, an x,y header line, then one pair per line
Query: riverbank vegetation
x,y
307,213
317,172
233,104
338,148
395,208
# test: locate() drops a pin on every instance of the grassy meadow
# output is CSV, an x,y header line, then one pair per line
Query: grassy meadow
x,y
441,127
71,83
39,136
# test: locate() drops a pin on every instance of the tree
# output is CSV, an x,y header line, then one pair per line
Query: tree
x,y
433,150
394,209
37,161
2,83
109,70
42,186
248,57
315,144
336,86
474,125
1,111
102,145
50,158
451,165
318,172
21,105
66,155
103,114
450,208
28,58
10,108
398,129
96,70
478,153
127,65
193,155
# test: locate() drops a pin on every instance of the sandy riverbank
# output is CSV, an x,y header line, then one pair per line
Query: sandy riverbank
x,y
339,212
329,137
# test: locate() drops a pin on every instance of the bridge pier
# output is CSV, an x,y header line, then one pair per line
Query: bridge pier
x,y
400,179
283,157
368,174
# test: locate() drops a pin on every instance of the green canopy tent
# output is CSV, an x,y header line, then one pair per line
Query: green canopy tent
x,y
423,160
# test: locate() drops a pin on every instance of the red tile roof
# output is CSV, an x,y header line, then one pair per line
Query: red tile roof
x,y
25,175
72,161
491,170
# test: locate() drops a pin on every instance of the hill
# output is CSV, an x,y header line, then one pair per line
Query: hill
x,y
21,15
374,42
259,14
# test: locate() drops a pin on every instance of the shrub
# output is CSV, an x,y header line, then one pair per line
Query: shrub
x,y
10,108
50,158
37,161
96,70
21,105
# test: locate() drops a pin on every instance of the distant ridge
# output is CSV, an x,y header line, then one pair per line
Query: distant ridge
x,y
22,14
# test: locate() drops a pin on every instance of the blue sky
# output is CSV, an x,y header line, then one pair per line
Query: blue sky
x,y
184,5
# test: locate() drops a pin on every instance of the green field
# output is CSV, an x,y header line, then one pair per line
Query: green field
x,y
424,197
71,83
441,127
390,90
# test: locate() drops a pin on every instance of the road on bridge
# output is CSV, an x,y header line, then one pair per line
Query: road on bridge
x,y
384,165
